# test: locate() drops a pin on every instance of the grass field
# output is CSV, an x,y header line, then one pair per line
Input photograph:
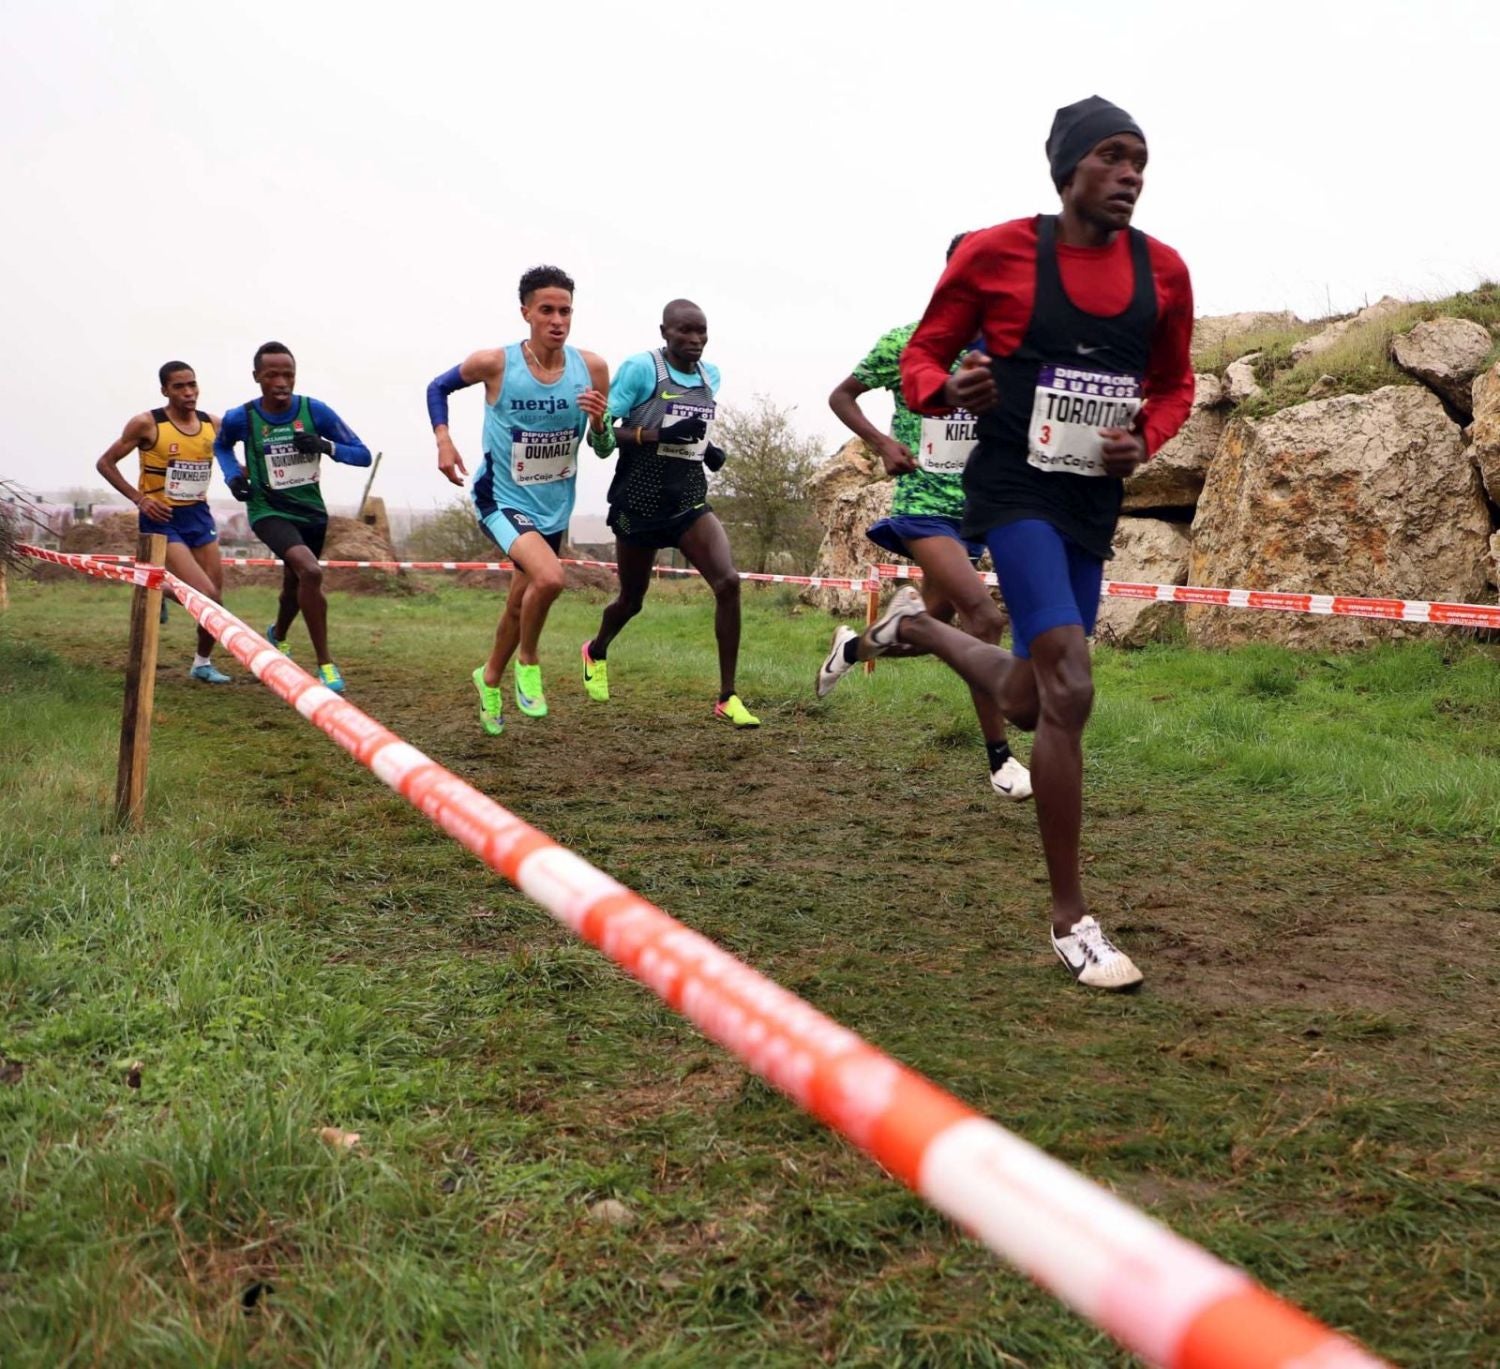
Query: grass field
x,y
1303,853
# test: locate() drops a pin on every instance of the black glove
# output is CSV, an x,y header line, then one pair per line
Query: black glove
x,y
239,487
310,444
684,431
713,457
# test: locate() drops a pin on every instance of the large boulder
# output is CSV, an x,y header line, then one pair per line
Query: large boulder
x,y
846,551
1445,354
1335,332
1148,551
1485,431
1173,478
852,467
1359,494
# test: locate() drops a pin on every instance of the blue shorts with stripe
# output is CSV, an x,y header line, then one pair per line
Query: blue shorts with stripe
x,y
191,524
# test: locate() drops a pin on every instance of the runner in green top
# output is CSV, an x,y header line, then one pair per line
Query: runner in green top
x,y
927,458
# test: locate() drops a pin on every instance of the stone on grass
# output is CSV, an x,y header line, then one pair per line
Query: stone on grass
x,y
1148,551
1445,354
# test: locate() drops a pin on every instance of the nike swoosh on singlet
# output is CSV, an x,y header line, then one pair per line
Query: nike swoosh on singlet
x,y
1086,351
678,395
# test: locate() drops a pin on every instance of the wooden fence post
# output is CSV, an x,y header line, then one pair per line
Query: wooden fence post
x,y
140,688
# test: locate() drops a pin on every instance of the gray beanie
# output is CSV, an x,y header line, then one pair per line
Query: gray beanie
x,y
1079,128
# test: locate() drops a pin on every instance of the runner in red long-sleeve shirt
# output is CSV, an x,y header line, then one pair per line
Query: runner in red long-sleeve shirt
x,y
1087,324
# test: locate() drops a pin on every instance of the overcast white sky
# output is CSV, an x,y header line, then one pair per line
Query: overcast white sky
x,y
366,183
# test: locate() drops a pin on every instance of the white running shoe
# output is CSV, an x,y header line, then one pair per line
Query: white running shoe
x,y
881,634
1011,781
835,667
1093,959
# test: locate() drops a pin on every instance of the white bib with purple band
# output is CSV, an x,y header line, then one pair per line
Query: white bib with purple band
x,y
1071,405
947,442
542,458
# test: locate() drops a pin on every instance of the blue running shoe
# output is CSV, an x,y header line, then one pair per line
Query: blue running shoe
x,y
209,674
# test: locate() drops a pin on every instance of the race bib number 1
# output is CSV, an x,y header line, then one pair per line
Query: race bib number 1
x,y
687,451
541,458
188,480
1069,408
947,442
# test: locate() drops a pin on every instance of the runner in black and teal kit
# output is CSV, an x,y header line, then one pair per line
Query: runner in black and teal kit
x,y
286,436
659,496
927,458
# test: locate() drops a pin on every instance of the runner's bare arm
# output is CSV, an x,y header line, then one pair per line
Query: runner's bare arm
x,y
844,401
487,365
138,434
595,402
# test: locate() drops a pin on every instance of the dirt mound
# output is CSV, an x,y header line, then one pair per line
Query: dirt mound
x,y
115,533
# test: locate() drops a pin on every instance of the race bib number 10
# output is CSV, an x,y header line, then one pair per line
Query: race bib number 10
x,y
1069,409
286,467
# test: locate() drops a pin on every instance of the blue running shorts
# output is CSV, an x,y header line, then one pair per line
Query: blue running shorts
x,y
894,533
1047,579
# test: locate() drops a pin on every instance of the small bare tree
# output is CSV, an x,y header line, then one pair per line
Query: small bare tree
x,y
761,491
451,534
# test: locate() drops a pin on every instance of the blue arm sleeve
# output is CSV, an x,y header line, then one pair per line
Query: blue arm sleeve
x,y
232,430
346,446
437,394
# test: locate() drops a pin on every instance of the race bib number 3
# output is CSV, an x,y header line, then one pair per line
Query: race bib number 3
x,y
188,480
541,458
687,451
947,442
289,469
1069,409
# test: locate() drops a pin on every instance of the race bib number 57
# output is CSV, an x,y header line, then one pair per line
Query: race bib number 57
x,y
1069,408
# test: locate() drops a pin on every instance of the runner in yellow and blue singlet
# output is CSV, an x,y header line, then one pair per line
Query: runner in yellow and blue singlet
x,y
176,448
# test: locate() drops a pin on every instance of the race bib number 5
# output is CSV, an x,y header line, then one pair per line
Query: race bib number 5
x,y
1067,412
541,458
947,442
188,480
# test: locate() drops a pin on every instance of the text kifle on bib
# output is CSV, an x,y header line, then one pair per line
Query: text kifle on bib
x,y
687,451
1069,408
188,480
286,467
542,458
947,442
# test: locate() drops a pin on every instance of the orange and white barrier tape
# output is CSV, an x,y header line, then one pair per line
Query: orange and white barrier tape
x,y
755,577
1337,605
125,572
1157,1294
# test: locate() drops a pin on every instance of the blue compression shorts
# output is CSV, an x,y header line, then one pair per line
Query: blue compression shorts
x,y
1047,579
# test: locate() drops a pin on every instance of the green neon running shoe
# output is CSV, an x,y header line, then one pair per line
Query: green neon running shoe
x,y
491,705
330,675
276,642
733,711
529,697
595,676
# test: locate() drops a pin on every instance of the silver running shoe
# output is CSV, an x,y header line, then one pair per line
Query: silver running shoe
x,y
835,667
882,633
1093,960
